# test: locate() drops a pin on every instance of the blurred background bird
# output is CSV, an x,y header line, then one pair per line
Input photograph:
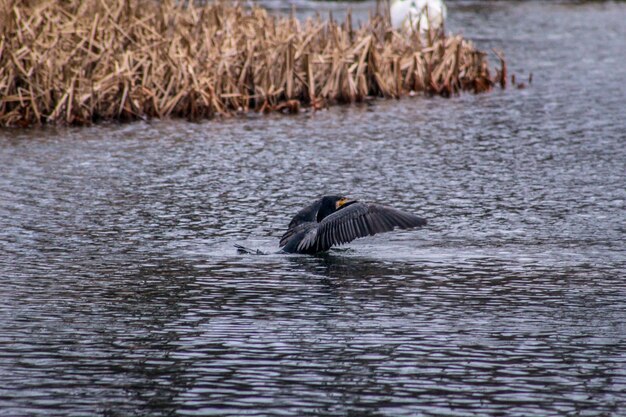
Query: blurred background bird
x,y
417,15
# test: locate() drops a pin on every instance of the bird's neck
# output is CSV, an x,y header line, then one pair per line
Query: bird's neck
x,y
324,212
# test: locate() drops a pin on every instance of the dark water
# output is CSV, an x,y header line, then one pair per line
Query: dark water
x,y
122,293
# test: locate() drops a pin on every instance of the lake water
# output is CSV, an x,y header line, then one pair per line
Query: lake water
x,y
122,293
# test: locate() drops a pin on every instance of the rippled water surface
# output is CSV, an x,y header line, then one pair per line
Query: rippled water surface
x,y
122,293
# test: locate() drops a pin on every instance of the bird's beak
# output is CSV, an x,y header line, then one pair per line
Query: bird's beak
x,y
342,203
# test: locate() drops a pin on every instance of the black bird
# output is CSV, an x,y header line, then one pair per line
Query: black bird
x,y
334,220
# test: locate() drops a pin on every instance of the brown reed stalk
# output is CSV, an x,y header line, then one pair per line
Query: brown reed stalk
x,y
76,63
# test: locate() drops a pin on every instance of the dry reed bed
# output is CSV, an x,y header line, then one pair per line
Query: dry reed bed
x,y
79,62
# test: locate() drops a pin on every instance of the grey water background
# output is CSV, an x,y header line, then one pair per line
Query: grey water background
x,y
121,292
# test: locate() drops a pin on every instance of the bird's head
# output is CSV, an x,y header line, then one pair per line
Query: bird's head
x,y
332,203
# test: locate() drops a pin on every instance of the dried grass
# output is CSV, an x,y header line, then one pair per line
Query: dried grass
x,y
79,62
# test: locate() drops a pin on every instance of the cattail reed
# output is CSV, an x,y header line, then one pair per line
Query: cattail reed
x,y
79,62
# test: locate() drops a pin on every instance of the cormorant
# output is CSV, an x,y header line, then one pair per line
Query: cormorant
x,y
334,220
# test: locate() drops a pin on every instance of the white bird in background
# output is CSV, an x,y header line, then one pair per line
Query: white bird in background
x,y
414,14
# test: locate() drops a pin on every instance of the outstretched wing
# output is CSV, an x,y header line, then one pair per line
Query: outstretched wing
x,y
307,214
354,221
296,230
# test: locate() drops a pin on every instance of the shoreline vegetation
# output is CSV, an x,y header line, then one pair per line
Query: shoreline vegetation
x,y
77,63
